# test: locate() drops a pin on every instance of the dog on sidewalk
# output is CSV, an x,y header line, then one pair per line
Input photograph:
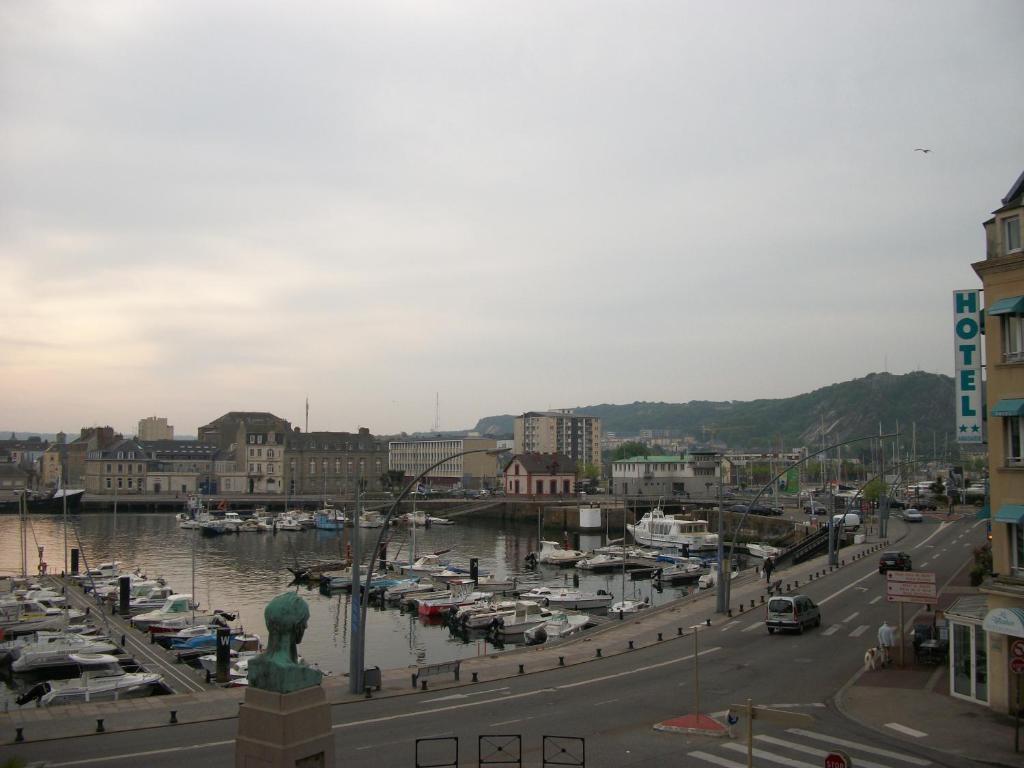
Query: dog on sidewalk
x,y
872,660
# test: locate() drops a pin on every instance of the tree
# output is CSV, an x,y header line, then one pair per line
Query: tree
x,y
873,490
392,479
590,472
629,450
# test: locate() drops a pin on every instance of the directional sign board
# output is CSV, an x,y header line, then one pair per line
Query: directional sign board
x,y
910,587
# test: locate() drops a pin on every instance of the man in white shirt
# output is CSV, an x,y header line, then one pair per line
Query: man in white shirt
x,y
886,640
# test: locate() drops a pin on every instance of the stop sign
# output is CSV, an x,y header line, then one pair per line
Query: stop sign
x,y
838,760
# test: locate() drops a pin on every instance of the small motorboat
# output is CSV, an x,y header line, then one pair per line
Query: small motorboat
x,y
21,617
55,649
572,599
526,615
551,553
630,606
561,624
177,612
762,550
102,679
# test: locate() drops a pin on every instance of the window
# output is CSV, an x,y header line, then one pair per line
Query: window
x,y
259,452
1014,449
120,468
252,452
129,482
120,483
1017,543
270,453
252,468
553,487
1013,338
139,470
108,482
270,469
540,486
337,466
312,466
108,469
1011,229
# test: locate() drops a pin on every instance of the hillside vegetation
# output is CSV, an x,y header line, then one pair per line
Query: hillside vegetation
x,y
840,411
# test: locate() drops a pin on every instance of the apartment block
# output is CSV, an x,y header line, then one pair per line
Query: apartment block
x,y
564,432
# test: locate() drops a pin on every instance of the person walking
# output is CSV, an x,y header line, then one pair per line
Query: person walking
x,y
886,640
769,566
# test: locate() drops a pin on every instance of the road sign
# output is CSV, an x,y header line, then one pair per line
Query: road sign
x,y
917,577
780,716
910,589
1017,665
838,759
1017,648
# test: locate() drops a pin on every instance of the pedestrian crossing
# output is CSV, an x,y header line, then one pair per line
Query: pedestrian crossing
x,y
800,748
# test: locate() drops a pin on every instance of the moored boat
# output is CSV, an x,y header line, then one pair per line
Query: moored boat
x,y
102,679
656,529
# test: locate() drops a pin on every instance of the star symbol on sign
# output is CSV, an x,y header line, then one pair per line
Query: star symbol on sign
x,y
974,428
963,427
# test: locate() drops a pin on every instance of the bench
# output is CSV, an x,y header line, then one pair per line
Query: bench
x,y
431,670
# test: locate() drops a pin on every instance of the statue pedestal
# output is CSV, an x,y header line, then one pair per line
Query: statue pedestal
x,y
285,730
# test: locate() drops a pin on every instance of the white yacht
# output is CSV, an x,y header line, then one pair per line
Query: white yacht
x,y
656,529
24,616
527,615
572,599
102,679
551,553
178,611
757,549
55,650
561,624
630,606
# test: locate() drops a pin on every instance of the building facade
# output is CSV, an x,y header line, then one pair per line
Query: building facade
x,y
155,428
255,441
331,463
564,432
693,474
475,471
982,649
540,474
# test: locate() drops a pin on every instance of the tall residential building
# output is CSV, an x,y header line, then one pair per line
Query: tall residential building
x,y
155,428
475,471
565,432
985,629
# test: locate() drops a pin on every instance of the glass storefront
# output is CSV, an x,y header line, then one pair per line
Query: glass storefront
x,y
969,662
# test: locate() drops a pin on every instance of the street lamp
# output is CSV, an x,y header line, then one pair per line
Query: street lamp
x,y
769,484
358,652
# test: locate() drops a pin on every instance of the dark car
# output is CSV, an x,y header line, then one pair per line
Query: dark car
x,y
894,561
815,508
762,509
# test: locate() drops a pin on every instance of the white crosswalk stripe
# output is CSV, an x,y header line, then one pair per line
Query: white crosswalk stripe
x,y
799,748
832,741
752,627
859,630
831,630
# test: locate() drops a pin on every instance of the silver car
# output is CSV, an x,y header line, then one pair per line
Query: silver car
x,y
792,612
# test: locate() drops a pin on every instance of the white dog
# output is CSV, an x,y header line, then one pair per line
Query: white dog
x,y
872,659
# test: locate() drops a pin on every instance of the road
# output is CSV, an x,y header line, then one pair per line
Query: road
x,y
613,703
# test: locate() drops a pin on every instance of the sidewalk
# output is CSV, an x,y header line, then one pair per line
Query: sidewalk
x,y
670,623
917,698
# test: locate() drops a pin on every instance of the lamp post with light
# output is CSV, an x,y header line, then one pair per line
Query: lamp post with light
x,y
358,655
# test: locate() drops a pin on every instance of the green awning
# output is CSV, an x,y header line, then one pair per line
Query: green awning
x,y
1014,305
1009,408
1011,513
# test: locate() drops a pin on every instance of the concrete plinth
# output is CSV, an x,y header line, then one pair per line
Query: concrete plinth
x,y
285,730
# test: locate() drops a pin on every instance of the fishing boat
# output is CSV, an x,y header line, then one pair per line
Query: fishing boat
x,y
573,599
49,503
102,679
329,519
656,529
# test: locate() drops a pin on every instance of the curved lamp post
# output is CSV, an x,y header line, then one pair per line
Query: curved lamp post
x,y
358,651
726,580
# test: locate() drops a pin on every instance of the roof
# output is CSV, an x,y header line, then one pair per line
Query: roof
x,y
544,463
972,607
331,441
650,459
1016,191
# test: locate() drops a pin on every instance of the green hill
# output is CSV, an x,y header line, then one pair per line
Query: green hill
x,y
845,410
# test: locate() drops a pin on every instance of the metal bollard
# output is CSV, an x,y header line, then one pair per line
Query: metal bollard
x,y
796,583
751,602
620,615
209,677
87,610
423,685
99,725
152,639
598,654
18,735
561,661
741,607
762,599
174,716
369,694
474,678
707,622
521,670
842,562
659,636
122,640
679,631
729,612
631,645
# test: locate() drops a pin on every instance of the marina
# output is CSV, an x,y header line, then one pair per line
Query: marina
x,y
239,574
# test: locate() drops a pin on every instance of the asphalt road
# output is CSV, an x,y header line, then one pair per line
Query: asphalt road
x,y
612,703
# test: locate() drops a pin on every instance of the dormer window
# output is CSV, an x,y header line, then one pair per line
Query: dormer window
x,y
1011,234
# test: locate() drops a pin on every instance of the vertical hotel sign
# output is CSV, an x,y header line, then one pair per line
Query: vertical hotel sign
x,y
967,345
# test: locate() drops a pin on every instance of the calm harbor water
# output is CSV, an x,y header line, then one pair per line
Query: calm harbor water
x,y
241,573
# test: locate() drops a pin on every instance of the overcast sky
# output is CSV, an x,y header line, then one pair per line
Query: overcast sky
x,y
212,206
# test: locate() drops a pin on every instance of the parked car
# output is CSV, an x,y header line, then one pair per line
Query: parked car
x,y
815,508
796,612
763,509
924,504
894,561
850,521
912,515
896,504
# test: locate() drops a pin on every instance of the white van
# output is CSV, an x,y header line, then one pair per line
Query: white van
x,y
850,521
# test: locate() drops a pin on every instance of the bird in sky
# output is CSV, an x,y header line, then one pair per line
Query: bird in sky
x,y
920,149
